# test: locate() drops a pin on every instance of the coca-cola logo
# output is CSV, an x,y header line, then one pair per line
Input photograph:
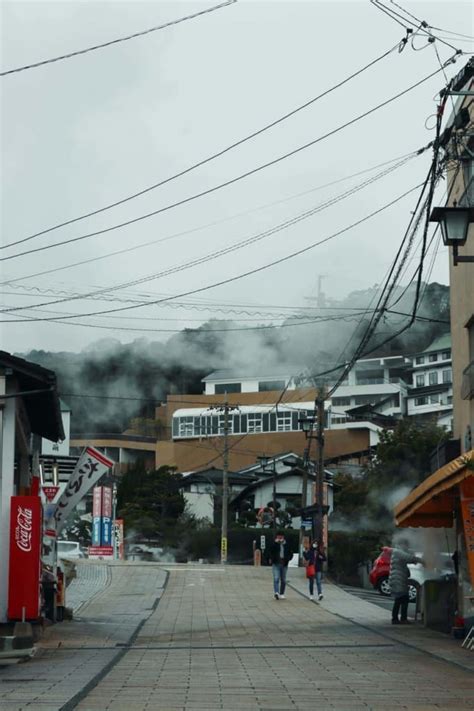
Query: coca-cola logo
x,y
24,528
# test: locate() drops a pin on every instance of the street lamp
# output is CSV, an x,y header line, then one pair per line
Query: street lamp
x,y
454,222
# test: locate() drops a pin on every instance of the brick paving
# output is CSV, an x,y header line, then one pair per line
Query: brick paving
x,y
71,654
218,640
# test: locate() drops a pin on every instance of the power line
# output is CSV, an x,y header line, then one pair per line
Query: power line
x,y
148,31
232,180
58,319
210,158
225,250
214,223
250,272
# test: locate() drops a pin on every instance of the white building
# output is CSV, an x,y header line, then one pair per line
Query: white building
x,y
258,381
372,381
431,393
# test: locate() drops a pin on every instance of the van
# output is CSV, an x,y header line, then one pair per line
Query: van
x,y
69,549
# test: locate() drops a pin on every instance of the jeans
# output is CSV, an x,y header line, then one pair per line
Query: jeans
x,y
319,578
279,578
400,604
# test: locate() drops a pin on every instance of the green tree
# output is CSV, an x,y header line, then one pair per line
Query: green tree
x,y
151,503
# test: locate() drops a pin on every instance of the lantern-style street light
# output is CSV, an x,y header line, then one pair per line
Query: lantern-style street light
x,y
454,222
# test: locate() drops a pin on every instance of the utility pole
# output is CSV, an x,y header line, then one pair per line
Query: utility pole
x,y
225,484
320,471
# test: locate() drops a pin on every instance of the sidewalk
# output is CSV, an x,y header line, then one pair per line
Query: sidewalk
x,y
341,603
219,640
72,654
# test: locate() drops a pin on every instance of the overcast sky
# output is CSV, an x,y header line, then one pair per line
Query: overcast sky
x,y
84,132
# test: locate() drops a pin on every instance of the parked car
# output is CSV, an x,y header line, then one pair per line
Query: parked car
x,y
69,549
379,575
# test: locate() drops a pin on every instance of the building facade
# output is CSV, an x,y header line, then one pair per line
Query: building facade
x,y
431,393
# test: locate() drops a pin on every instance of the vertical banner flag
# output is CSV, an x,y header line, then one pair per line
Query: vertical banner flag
x,y
97,502
106,501
119,538
106,531
91,465
467,511
96,530
25,551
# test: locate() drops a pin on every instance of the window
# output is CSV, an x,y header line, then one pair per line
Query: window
x,y
222,424
186,426
447,376
267,385
419,360
341,401
420,380
433,377
284,422
434,399
223,388
254,422
419,401
446,355
433,357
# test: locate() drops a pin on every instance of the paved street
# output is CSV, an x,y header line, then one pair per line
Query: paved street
x,y
218,640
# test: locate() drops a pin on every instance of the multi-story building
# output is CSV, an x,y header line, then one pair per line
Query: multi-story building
x,y
372,381
446,498
264,419
431,393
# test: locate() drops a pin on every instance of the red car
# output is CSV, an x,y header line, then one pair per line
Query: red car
x,y
378,576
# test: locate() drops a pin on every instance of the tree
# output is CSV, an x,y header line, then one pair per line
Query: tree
x,y
403,454
402,461
150,502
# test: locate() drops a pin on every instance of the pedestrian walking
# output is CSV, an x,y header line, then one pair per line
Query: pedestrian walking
x,y
313,559
398,579
280,555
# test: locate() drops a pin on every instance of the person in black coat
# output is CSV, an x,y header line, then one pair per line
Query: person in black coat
x,y
280,555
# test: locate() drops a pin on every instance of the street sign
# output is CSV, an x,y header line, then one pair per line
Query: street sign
x,y
50,492
101,552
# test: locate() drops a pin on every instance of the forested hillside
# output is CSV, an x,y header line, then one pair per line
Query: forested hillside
x,y
109,382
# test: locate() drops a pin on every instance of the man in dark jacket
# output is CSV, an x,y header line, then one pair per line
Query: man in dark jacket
x,y
280,555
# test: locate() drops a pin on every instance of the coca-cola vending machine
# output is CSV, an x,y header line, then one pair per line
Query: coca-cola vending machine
x,y
25,558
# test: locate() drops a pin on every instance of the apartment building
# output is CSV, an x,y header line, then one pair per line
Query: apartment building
x,y
371,381
431,393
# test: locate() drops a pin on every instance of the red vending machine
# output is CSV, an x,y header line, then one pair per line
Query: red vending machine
x,y
25,558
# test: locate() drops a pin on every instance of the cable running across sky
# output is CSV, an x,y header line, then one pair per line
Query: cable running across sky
x,y
210,158
234,180
118,40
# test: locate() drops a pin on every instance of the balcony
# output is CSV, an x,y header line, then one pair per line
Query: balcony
x,y
467,385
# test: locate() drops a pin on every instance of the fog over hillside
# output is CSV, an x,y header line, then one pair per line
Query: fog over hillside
x,y
109,382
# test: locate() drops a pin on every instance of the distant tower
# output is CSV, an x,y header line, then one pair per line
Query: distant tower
x,y
320,299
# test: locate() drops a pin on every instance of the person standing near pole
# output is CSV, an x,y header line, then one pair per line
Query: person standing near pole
x,y
313,558
280,555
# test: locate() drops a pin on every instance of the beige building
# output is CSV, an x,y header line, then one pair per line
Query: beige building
x,y
446,498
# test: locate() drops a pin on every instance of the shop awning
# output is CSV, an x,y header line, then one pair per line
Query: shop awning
x,y
431,504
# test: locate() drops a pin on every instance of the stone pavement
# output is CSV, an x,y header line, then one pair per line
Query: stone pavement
x,y
218,640
361,612
72,654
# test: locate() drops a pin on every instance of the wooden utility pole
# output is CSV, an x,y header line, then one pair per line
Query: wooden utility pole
x,y
225,484
320,470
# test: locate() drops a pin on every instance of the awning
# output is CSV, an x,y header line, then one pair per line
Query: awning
x,y
431,504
